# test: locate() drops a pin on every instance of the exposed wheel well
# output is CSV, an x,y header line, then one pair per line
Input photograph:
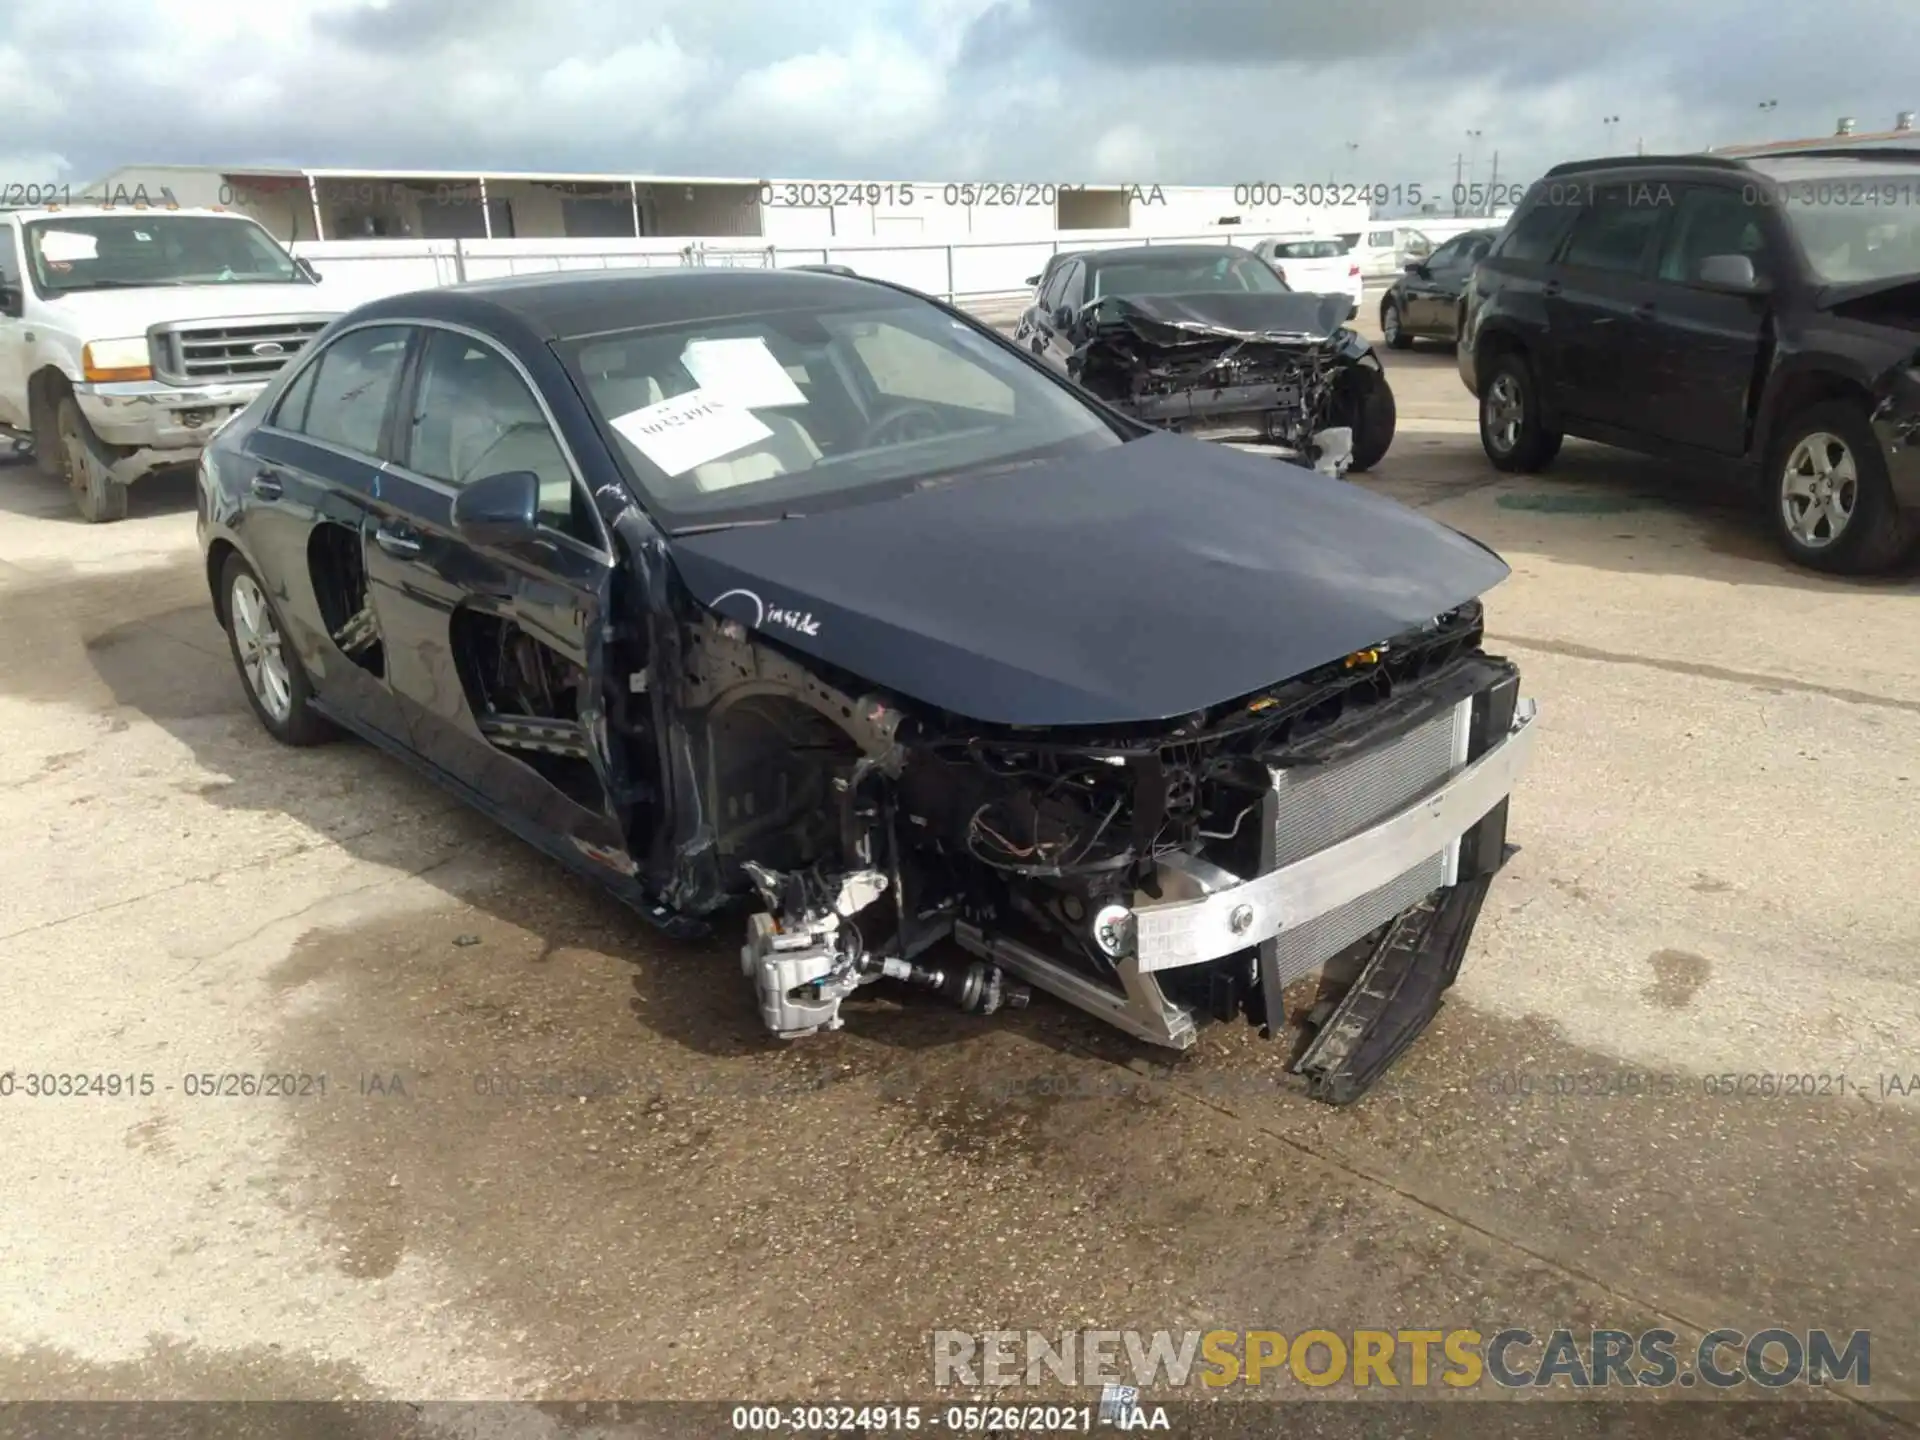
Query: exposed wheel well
x,y
771,785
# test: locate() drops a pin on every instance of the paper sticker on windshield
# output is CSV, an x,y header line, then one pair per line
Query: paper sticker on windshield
x,y
690,430
68,245
742,372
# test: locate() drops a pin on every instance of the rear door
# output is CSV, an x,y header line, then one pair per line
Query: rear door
x,y
496,650
1700,347
315,466
1593,301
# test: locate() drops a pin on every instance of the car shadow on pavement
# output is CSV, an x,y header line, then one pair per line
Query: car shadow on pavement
x,y
172,666
1607,509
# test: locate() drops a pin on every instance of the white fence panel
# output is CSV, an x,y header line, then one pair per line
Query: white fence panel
x,y
354,271
924,267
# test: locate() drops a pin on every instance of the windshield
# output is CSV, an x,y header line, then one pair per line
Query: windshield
x,y
757,416
1854,229
1308,249
101,252
1186,275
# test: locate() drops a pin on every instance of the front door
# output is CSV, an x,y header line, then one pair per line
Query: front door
x,y
497,650
13,331
312,468
1057,341
1702,345
1424,288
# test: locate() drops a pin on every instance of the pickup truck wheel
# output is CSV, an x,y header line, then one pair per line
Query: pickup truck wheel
x,y
1832,505
1510,428
98,496
1368,407
1396,337
276,683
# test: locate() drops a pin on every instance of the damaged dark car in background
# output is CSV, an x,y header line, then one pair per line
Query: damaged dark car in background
x,y
1209,340
812,601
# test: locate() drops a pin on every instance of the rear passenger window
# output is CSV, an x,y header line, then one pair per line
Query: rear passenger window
x,y
355,382
1613,232
291,412
1536,233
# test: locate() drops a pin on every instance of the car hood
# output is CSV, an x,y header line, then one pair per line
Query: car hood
x,y
1139,583
112,314
1289,315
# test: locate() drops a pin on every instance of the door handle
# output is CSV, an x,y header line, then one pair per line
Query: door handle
x,y
396,542
266,486
1643,311
1552,287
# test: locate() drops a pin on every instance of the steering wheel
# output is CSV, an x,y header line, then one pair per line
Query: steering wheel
x,y
901,423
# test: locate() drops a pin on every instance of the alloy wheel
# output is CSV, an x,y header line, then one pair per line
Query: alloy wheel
x,y
1503,410
257,639
1818,490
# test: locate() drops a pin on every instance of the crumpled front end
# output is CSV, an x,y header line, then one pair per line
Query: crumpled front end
x,y
1270,377
1339,829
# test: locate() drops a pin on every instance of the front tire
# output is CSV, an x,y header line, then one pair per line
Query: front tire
x,y
98,497
1511,431
1368,407
1829,495
276,683
1391,326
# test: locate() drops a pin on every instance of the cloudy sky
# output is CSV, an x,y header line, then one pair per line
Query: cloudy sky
x,y
1139,91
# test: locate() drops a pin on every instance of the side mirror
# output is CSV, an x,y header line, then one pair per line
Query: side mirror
x,y
499,509
12,301
305,266
1730,272
1417,267
1032,280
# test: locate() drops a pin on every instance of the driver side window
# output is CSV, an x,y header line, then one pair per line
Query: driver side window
x,y
474,417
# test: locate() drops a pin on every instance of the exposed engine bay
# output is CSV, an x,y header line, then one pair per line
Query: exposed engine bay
x,y
1284,372
1158,876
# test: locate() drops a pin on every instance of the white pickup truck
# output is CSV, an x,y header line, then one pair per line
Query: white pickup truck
x,y
129,334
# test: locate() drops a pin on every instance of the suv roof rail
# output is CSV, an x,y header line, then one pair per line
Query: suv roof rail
x,y
1640,162
1846,152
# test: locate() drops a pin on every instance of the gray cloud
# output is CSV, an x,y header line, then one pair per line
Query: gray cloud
x,y
1200,91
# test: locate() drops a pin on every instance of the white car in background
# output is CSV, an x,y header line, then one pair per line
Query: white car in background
x,y
1316,265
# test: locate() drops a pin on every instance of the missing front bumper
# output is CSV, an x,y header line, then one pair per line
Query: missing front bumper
x,y
1413,879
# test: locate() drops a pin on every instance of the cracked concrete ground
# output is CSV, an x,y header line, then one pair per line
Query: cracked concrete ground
x,y
556,1159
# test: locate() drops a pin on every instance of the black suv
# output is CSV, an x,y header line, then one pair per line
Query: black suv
x,y
1762,314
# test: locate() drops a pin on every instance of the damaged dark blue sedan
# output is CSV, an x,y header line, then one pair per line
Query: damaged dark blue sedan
x,y
809,597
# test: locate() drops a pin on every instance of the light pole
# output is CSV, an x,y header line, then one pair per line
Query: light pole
x,y
1767,107
1607,122
1473,168
1353,147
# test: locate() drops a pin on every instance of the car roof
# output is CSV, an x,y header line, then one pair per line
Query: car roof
x,y
1811,164
567,305
1177,252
